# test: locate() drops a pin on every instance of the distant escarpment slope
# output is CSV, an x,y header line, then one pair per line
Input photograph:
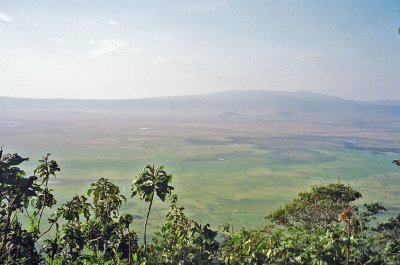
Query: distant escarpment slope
x,y
296,106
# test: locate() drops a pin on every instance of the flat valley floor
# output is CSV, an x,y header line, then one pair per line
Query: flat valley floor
x,y
226,168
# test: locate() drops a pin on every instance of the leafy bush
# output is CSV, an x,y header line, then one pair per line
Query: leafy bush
x,y
94,232
319,207
321,226
183,241
17,194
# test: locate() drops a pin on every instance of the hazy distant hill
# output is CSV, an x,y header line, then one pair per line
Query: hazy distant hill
x,y
222,101
271,104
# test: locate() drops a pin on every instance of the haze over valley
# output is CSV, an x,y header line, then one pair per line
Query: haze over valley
x,y
231,153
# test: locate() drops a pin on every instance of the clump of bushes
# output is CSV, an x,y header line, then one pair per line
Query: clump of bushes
x,y
322,226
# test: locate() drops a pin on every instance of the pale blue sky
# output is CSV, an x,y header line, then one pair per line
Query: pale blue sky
x,y
134,49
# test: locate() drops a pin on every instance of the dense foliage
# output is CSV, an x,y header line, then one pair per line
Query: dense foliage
x,y
325,225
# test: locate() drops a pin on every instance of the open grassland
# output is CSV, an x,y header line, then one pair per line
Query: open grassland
x,y
225,169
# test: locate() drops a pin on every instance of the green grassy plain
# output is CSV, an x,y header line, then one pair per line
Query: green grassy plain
x,y
232,170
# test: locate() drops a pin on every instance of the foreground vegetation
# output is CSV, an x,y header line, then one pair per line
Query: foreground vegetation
x,y
322,226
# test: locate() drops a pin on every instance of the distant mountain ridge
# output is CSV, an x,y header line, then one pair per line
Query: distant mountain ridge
x,y
256,101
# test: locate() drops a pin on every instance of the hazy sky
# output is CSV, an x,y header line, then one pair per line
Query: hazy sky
x,y
133,49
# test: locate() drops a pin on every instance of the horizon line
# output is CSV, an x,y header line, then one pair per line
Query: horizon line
x,y
195,95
